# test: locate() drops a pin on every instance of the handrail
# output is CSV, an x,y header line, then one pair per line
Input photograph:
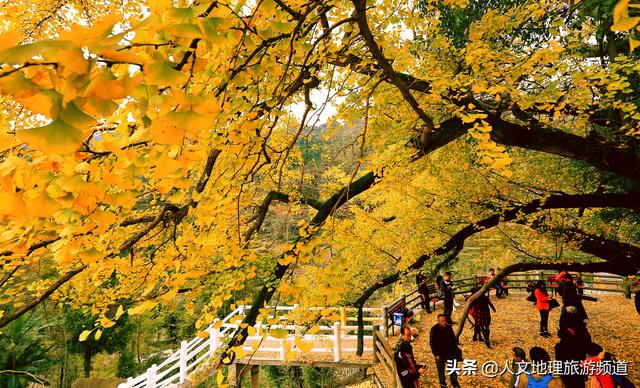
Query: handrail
x,y
382,353
195,352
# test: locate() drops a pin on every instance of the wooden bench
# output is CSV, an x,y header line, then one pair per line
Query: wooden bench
x,y
483,280
397,306
553,283
432,295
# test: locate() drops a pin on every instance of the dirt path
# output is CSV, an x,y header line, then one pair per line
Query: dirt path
x,y
614,324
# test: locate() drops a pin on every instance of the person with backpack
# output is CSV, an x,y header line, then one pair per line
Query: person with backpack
x,y
536,379
542,305
620,381
408,370
597,377
519,366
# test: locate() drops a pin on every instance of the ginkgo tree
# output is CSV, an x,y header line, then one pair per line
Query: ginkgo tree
x,y
146,148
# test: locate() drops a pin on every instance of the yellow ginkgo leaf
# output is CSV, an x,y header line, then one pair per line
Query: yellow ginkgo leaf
x,y
141,308
84,335
119,312
163,73
10,38
303,345
219,377
55,138
73,60
98,334
46,102
278,333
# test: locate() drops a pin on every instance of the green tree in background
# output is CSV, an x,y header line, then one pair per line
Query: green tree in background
x,y
111,341
24,353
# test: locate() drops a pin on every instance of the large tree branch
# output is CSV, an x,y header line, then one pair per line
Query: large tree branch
x,y
261,214
5,320
605,156
387,68
614,267
455,242
327,209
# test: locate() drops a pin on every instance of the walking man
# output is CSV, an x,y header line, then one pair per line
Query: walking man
x,y
444,347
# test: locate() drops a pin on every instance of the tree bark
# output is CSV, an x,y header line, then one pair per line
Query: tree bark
x,y
87,361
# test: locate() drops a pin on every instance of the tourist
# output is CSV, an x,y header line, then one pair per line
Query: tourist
x,y
539,376
595,355
477,335
572,322
620,380
519,365
408,370
423,291
570,349
482,316
444,347
446,287
499,287
542,305
569,292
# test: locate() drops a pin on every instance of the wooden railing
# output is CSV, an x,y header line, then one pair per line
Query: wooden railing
x,y
603,283
413,300
592,282
383,354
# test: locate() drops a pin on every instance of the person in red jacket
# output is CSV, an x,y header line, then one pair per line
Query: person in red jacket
x,y
595,354
542,305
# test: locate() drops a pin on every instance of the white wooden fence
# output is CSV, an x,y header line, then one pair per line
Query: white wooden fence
x,y
336,341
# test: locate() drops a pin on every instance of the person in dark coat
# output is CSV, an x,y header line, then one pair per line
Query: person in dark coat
x,y
446,288
408,370
482,316
444,347
569,292
572,321
571,348
423,290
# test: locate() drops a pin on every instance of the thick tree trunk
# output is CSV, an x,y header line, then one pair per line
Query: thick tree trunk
x,y
87,362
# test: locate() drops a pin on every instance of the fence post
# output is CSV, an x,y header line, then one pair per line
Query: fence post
x,y
214,335
374,341
283,353
151,376
337,346
385,322
183,361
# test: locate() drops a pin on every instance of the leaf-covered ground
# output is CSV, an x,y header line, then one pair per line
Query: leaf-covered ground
x,y
614,324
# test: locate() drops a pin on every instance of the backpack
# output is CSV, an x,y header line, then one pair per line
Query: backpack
x,y
542,383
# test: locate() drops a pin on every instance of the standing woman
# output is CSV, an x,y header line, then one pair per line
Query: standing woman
x,y
482,317
542,305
